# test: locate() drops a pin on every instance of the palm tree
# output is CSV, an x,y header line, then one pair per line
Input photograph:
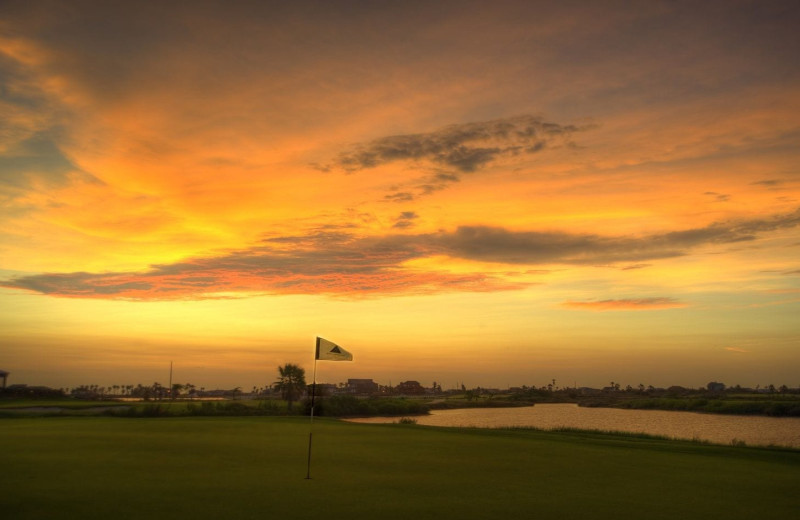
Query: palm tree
x,y
291,383
176,390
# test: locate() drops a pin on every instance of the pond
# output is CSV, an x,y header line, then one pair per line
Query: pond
x,y
720,429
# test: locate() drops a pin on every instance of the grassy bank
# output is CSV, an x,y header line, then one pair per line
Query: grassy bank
x,y
768,407
165,408
254,467
336,406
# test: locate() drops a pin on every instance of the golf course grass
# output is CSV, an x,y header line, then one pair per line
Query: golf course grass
x,y
255,467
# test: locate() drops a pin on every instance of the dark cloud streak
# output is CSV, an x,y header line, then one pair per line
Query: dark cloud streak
x,y
464,147
339,263
405,220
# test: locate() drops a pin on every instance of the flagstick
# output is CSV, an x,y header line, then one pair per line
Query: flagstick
x,y
333,352
311,423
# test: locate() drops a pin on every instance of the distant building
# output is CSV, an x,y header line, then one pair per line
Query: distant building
x,y
22,390
362,386
715,387
4,375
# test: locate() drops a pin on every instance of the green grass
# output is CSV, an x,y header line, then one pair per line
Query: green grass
x,y
67,406
254,467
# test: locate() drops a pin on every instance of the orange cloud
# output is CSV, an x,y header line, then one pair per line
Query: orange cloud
x,y
634,304
333,261
736,350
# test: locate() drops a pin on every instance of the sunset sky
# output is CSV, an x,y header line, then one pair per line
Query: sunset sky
x,y
487,193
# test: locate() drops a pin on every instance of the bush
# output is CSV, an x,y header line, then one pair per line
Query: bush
x,y
149,410
349,406
231,408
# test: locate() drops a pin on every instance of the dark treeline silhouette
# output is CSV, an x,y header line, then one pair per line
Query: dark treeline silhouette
x,y
365,397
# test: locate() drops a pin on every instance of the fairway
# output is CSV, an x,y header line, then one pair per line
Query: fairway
x,y
254,467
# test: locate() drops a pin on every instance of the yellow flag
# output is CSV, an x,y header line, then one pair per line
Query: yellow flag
x,y
330,351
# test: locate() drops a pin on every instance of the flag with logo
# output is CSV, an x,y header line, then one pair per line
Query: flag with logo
x,y
330,351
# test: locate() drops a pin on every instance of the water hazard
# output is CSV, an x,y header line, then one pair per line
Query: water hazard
x,y
720,429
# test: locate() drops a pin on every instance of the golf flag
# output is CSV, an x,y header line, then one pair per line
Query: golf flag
x,y
326,351
330,351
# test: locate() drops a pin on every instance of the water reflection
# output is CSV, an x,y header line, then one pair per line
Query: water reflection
x,y
722,429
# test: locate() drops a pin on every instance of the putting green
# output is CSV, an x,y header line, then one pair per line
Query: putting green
x,y
254,467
